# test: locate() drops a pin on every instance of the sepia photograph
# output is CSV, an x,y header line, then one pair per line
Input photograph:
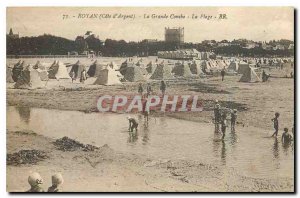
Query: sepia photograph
x,y
150,99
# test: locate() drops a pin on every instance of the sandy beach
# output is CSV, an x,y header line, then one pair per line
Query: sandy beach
x,y
108,170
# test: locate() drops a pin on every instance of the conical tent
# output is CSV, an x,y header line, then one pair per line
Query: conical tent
x,y
162,72
233,66
113,65
95,68
39,65
133,74
220,64
107,76
29,79
41,69
78,67
250,75
151,67
124,66
287,69
9,73
205,66
182,69
242,67
17,69
196,68
58,70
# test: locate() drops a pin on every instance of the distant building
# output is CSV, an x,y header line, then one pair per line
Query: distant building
x,y
266,46
174,35
223,43
12,35
184,54
89,34
291,46
279,47
251,45
150,40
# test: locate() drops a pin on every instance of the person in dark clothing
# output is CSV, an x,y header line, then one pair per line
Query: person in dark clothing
x,y
145,111
286,138
140,89
217,113
149,89
133,124
223,73
233,119
163,87
223,125
263,76
83,76
276,124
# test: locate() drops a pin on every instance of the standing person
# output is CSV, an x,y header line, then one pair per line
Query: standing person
x,y
233,119
133,124
149,89
223,125
73,76
286,137
263,76
83,76
140,89
276,124
57,181
163,87
35,180
223,73
217,112
145,111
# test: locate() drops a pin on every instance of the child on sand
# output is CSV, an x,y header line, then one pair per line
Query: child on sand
x,y
57,181
35,181
276,124
286,137
217,113
140,89
233,119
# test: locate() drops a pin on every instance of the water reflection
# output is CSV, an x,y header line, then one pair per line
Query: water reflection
x,y
163,137
133,137
276,148
276,153
287,146
24,113
219,147
145,133
233,138
223,153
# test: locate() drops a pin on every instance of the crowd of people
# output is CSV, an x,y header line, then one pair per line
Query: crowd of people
x,y
149,90
220,120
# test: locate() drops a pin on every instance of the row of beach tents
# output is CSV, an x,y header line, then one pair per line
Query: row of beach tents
x,y
31,76
27,75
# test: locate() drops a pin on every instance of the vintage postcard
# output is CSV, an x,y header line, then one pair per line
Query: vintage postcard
x,y
150,99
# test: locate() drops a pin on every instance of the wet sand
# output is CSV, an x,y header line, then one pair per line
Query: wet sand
x,y
256,102
108,170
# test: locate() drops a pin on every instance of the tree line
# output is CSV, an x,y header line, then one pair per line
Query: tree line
x,y
52,45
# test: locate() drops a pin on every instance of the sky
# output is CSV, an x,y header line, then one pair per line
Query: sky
x,y
254,23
